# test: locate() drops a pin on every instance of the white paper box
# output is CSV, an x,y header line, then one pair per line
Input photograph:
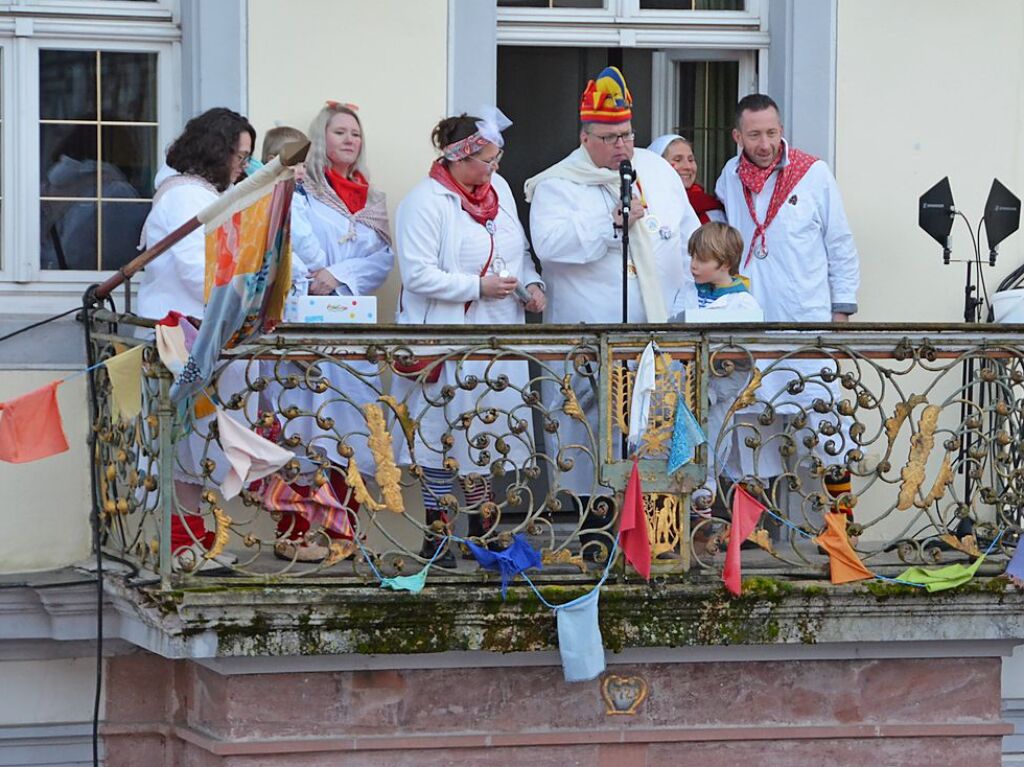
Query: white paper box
x,y
332,309
714,316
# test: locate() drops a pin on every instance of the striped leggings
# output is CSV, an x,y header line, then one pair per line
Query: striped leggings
x,y
437,483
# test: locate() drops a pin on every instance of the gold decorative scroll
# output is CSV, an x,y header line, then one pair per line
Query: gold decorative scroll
x,y
747,397
338,551
401,411
902,410
354,479
388,475
621,388
942,481
563,557
222,535
570,405
657,440
921,445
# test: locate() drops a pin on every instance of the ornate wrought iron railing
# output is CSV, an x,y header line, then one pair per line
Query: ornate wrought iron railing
x,y
926,420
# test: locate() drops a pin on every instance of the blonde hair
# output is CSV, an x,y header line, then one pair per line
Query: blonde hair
x,y
275,139
717,242
316,160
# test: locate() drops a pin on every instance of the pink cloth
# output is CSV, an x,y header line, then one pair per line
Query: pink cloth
x,y
250,456
746,510
31,426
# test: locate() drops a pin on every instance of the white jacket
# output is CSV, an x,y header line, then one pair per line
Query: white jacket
x,y
812,268
434,288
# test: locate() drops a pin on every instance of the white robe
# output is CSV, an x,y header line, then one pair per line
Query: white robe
x,y
581,255
811,270
441,252
360,258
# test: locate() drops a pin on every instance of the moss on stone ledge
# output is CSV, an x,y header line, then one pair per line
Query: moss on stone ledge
x,y
294,620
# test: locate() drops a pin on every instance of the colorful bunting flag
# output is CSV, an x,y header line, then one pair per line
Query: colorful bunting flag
x,y
1015,570
844,564
250,456
633,533
248,274
941,578
686,437
510,562
643,390
579,638
125,372
746,511
411,583
31,426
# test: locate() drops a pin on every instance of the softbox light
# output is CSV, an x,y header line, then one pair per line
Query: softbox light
x,y
1002,217
935,212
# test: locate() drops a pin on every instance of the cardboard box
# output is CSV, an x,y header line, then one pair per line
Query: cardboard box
x,y
331,309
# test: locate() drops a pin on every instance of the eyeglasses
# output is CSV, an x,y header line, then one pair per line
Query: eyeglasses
x,y
243,157
492,163
615,138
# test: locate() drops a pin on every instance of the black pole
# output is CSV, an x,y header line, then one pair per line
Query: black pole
x,y
625,265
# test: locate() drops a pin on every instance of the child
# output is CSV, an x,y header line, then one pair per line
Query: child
x,y
715,253
274,141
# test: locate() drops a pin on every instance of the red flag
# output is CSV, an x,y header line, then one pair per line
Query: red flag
x,y
746,510
633,535
30,426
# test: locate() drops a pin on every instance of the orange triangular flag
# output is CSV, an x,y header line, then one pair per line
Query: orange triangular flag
x,y
746,510
31,427
844,563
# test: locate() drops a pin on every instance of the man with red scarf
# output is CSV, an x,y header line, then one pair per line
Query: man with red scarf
x,y
802,264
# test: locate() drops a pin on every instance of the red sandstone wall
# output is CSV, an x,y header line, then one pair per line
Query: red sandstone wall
x,y
860,713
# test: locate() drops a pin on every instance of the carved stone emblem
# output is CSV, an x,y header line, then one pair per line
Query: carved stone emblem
x,y
623,694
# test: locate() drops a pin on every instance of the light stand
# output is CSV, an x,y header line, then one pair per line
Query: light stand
x,y
1002,217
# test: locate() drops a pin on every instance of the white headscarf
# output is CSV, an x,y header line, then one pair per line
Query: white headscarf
x,y
660,144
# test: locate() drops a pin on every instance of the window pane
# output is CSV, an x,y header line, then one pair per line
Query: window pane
x,y
67,166
707,103
129,160
551,3
122,226
67,85
691,5
67,236
128,86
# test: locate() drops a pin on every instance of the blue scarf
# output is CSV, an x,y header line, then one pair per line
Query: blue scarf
x,y
708,292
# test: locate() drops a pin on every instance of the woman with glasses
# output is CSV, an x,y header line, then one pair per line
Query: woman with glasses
x,y
678,151
208,157
464,260
341,246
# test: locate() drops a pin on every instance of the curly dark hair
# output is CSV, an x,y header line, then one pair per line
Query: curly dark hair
x,y
207,144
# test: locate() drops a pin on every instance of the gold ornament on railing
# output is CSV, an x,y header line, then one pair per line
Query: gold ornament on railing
x,y
354,479
222,535
388,475
921,445
570,404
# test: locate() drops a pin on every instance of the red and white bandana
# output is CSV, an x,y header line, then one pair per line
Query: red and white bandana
x,y
754,178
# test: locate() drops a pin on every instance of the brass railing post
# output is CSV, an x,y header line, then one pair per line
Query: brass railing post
x,y
166,456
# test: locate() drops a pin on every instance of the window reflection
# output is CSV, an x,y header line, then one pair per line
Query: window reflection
x,y
93,152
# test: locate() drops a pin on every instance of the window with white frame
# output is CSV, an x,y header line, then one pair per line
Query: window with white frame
x,y
94,105
687,63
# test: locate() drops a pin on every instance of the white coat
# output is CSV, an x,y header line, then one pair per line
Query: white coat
x,y
441,251
812,268
581,255
359,257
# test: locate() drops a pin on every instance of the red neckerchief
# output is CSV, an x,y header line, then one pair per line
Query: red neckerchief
x,y
702,202
481,205
352,191
753,180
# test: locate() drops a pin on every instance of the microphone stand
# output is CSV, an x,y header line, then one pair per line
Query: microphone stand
x,y
625,196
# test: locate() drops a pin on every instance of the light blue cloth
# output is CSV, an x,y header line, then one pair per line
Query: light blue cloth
x,y
579,638
413,583
1016,567
686,436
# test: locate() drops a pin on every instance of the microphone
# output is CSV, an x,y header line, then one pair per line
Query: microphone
x,y
627,176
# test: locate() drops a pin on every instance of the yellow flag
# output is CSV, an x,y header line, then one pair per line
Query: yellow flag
x,y
125,371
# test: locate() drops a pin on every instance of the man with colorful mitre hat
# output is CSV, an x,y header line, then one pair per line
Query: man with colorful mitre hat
x,y
576,229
